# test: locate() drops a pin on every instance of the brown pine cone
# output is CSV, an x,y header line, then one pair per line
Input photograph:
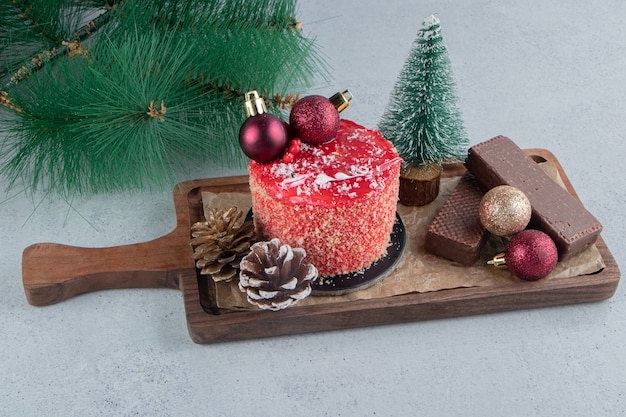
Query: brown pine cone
x,y
220,243
275,276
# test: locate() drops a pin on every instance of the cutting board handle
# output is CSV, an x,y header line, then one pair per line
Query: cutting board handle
x,y
52,272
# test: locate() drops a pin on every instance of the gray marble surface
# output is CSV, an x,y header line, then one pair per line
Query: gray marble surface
x,y
547,74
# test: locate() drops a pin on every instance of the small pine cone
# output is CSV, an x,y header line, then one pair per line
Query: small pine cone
x,y
220,243
275,276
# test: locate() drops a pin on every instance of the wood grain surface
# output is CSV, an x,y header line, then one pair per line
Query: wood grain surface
x,y
53,272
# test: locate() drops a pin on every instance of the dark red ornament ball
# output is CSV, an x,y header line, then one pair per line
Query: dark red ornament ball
x,y
531,255
263,137
314,119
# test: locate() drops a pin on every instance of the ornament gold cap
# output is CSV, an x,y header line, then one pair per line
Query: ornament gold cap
x,y
499,261
341,100
254,104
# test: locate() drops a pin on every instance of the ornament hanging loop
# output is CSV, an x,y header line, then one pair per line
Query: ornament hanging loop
x,y
499,261
254,104
341,100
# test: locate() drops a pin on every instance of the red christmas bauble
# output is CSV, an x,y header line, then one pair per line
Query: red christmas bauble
x,y
531,255
263,137
314,119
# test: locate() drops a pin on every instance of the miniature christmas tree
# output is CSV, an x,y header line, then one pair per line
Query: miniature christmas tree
x,y
422,119
106,95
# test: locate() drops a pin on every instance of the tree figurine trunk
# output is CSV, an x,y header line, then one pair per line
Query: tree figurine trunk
x,y
419,185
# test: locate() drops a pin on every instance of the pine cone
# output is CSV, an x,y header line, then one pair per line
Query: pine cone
x,y
220,243
275,276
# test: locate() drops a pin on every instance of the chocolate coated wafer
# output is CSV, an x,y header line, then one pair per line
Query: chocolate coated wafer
x,y
456,232
556,212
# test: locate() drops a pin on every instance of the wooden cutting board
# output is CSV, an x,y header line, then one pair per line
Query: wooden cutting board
x,y
53,272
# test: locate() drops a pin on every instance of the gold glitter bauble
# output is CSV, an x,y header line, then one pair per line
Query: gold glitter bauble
x,y
504,210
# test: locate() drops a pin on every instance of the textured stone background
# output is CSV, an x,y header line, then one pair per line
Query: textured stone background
x,y
547,74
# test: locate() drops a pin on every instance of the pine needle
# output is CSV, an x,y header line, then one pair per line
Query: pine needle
x,y
159,87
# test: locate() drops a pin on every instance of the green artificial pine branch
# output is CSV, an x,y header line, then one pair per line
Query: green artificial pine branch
x,y
17,38
33,31
422,119
160,85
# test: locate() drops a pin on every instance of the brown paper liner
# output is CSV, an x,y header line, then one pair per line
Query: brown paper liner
x,y
417,270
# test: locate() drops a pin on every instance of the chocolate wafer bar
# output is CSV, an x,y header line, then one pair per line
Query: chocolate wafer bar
x,y
556,212
456,232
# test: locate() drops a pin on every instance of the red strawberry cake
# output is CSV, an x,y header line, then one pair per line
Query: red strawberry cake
x,y
336,200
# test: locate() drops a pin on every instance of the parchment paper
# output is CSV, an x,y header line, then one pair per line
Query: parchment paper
x,y
417,270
